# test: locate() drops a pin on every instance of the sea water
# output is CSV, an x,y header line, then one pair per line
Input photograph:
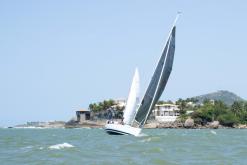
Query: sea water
x,y
94,146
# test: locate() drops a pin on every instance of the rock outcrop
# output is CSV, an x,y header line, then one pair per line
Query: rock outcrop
x,y
189,123
241,126
214,124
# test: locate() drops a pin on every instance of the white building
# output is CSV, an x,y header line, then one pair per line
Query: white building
x,y
161,112
120,102
166,112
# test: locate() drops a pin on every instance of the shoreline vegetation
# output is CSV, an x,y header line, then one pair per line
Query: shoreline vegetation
x,y
195,113
209,114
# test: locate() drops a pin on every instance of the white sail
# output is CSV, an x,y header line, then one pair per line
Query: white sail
x,y
133,99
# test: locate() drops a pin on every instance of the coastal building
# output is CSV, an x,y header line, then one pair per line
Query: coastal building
x,y
120,102
166,112
82,115
191,104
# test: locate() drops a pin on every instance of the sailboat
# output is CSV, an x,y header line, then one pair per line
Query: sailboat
x,y
136,115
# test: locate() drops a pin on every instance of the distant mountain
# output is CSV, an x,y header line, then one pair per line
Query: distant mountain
x,y
222,95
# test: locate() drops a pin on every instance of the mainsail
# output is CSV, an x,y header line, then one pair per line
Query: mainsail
x,y
133,99
158,81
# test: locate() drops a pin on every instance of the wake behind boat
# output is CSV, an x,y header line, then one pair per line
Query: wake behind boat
x,y
136,114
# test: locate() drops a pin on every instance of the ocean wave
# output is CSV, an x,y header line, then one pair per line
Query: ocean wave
x,y
27,147
155,150
142,135
213,132
146,140
60,146
83,128
151,139
31,127
87,128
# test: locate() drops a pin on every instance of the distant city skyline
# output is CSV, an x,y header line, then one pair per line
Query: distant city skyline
x,y
57,56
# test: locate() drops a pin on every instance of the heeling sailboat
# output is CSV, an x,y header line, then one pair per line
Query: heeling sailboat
x,y
153,92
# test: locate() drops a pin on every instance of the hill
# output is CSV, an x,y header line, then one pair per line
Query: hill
x,y
222,95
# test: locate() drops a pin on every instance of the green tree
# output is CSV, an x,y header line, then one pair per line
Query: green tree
x,y
193,100
206,101
209,112
93,107
236,108
169,102
245,106
219,108
90,107
228,119
181,104
203,115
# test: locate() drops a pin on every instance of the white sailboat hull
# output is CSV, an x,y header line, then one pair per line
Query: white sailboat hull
x,y
119,129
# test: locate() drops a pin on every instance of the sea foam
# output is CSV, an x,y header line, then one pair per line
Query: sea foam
x,y
141,135
213,132
146,140
60,146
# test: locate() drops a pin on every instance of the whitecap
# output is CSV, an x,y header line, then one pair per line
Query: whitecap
x,y
87,128
146,140
27,147
60,146
141,135
163,134
213,132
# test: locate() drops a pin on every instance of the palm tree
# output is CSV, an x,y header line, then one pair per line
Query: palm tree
x,y
236,108
245,106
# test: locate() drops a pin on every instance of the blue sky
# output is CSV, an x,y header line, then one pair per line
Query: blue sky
x,y
58,56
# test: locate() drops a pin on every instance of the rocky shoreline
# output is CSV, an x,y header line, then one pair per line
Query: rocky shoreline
x,y
151,124
49,124
188,124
